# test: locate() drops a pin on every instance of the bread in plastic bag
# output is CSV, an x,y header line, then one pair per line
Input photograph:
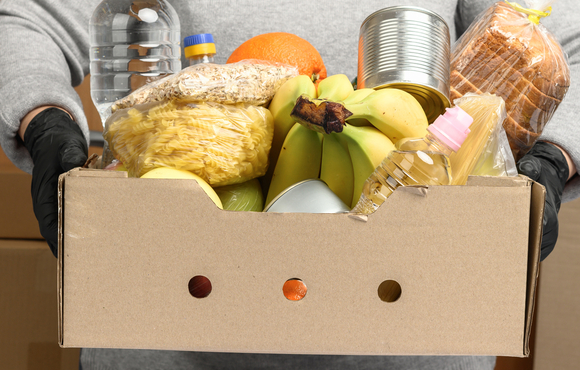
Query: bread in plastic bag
x,y
486,147
504,52
248,81
222,143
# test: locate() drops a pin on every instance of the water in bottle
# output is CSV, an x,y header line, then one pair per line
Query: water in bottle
x,y
423,161
132,43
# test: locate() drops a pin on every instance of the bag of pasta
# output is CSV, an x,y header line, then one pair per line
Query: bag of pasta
x,y
222,143
508,52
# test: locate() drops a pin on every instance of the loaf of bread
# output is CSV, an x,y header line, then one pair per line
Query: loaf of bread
x,y
506,54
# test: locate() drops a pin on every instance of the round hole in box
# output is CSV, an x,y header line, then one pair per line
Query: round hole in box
x,y
294,289
199,286
389,291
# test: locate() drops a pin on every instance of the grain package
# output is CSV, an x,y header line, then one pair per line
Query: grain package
x,y
248,81
222,143
509,53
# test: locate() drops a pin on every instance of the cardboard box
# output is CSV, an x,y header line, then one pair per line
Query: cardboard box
x,y
465,258
28,309
558,315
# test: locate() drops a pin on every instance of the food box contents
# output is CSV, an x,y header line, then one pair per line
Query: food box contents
x,y
486,142
248,81
508,54
221,143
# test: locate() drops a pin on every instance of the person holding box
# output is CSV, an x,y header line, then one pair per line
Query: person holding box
x,y
43,129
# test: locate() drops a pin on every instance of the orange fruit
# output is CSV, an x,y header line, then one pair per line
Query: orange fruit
x,y
284,48
294,289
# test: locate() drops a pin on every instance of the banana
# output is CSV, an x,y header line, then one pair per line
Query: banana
x,y
299,160
336,169
394,112
367,147
355,97
280,107
358,95
336,87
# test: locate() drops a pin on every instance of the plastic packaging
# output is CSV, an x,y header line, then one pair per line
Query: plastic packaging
x,y
223,144
246,196
132,43
199,48
485,142
248,81
423,161
508,52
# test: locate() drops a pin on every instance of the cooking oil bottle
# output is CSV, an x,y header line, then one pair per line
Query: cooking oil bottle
x,y
423,161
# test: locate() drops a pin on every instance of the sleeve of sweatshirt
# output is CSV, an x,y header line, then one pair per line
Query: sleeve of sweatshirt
x,y
45,47
563,127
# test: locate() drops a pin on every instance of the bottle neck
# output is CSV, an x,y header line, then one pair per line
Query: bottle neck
x,y
201,58
437,145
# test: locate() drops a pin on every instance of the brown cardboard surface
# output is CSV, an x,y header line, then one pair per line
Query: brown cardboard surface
x,y
28,309
558,308
130,247
17,220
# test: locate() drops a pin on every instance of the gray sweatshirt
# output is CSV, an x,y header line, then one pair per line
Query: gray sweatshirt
x,y
44,50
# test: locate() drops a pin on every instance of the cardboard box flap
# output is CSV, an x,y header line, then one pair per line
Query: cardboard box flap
x,y
535,239
498,181
75,172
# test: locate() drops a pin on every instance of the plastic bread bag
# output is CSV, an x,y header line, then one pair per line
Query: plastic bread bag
x,y
507,51
222,143
486,147
248,81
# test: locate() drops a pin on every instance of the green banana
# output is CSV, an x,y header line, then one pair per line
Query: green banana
x,y
299,160
367,147
336,169
280,107
355,97
394,112
336,87
358,95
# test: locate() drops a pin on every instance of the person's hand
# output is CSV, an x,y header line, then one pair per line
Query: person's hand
x,y
545,163
56,144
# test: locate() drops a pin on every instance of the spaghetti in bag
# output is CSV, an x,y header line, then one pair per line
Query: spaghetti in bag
x,y
222,143
509,53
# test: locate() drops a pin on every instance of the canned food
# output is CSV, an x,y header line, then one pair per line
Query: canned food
x,y
308,196
407,48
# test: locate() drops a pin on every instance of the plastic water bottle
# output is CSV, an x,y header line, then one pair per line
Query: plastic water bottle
x,y
133,42
199,48
423,161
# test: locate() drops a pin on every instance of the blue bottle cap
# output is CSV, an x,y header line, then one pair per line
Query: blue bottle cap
x,y
202,38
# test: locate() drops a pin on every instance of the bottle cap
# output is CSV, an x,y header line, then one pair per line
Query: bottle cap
x,y
452,127
198,45
202,38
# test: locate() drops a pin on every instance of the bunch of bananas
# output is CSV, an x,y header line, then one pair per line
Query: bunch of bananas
x,y
338,134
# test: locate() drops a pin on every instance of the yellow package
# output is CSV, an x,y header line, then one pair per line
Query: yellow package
x,y
222,143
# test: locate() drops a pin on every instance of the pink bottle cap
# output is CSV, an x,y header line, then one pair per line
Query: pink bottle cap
x,y
452,127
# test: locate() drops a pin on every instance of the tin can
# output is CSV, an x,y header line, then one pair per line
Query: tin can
x,y
407,48
308,196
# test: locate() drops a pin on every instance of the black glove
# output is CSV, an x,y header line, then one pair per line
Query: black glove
x,y
56,144
546,164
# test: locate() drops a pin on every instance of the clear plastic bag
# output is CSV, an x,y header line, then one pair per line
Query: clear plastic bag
x,y
248,81
486,150
507,52
222,143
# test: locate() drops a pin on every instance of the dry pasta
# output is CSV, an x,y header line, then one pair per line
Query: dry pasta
x,y
223,144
